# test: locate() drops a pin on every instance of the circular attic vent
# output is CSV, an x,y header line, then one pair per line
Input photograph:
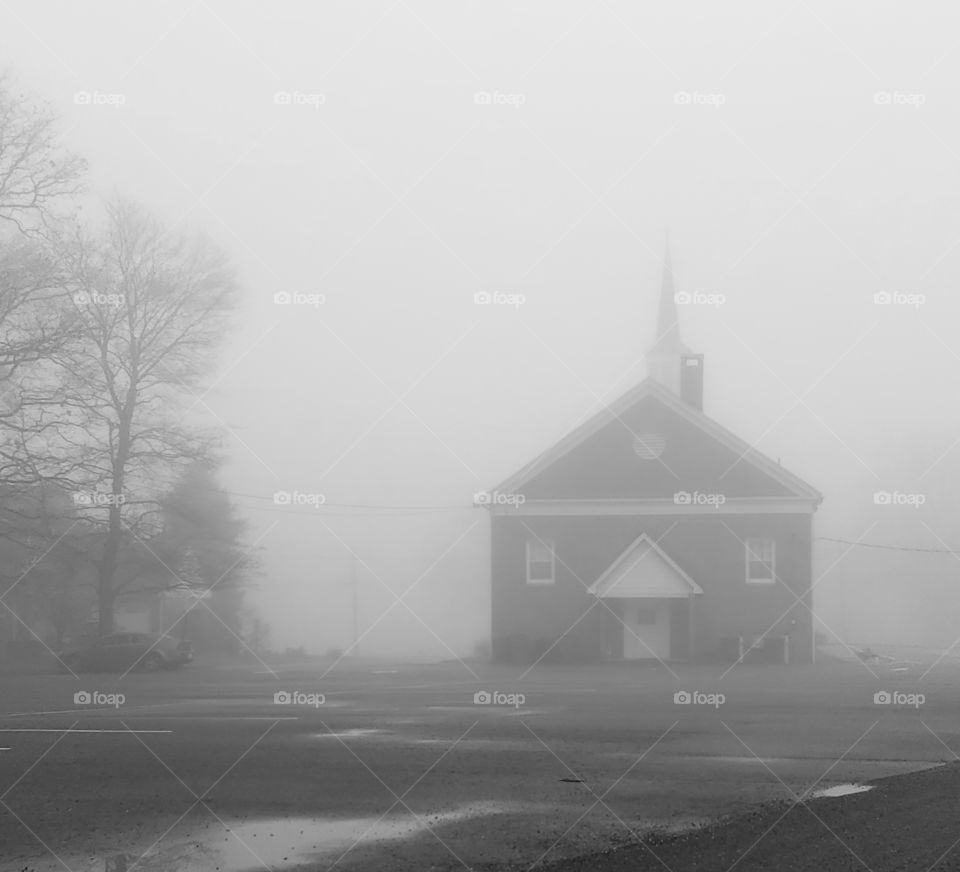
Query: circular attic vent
x,y
648,446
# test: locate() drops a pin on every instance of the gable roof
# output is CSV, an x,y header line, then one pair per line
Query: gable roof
x,y
644,570
649,387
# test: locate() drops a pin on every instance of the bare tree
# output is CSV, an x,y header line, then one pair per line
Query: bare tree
x,y
36,175
152,308
37,182
37,319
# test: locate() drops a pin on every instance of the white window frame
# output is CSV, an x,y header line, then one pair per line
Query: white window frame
x,y
532,542
748,552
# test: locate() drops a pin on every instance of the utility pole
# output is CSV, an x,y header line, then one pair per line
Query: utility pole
x,y
354,582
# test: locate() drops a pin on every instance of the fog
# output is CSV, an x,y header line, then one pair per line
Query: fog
x,y
803,160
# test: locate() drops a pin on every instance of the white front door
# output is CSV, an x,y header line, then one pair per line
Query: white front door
x,y
646,630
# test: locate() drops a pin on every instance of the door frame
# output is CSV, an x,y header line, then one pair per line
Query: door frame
x,y
631,645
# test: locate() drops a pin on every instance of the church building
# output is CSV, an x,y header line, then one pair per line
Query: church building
x,y
653,532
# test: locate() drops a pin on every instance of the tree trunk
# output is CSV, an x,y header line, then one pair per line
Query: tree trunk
x,y
106,593
107,569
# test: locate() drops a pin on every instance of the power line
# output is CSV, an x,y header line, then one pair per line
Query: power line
x,y
888,547
388,506
408,509
357,509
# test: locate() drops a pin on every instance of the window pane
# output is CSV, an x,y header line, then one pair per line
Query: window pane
x,y
539,550
541,571
760,559
539,560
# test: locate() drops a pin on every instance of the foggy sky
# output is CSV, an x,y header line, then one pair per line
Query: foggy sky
x,y
814,166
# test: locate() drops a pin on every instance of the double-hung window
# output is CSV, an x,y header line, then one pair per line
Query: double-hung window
x,y
541,568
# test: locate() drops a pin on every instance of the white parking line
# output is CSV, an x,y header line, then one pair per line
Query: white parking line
x,y
138,711
37,730
218,718
108,708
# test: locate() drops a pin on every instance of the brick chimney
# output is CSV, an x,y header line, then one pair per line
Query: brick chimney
x,y
691,380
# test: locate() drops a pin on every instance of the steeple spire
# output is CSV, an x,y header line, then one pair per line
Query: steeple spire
x,y
663,358
668,328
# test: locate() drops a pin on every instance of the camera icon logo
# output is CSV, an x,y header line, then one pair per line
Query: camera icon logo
x,y
683,98
881,697
482,697
282,697
682,697
283,98
682,298
282,498
282,298
682,498
481,498
82,697
882,498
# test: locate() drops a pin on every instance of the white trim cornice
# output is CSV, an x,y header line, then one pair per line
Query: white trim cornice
x,y
665,506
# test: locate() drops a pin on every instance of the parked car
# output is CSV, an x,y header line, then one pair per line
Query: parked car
x,y
122,651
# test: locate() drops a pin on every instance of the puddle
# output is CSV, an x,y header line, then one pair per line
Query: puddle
x,y
350,734
461,708
273,843
488,709
842,790
758,760
474,744
676,826
243,705
285,843
407,739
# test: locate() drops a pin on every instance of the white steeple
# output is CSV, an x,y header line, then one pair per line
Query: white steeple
x,y
664,356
